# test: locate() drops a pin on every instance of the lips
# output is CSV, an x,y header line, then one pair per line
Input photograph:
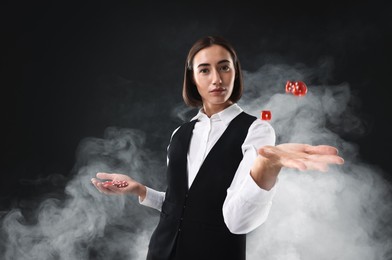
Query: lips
x,y
217,90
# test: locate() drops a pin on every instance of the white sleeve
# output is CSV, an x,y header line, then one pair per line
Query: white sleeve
x,y
247,206
154,199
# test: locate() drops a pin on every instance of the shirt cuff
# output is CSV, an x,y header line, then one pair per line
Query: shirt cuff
x,y
153,199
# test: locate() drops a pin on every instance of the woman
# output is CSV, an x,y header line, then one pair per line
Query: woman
x,y
222,165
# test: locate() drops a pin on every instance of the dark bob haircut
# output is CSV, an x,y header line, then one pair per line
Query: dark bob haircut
x,y
189,90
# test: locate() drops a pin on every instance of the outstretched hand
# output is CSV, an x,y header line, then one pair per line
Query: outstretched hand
x,y
102,184
292,155
302,156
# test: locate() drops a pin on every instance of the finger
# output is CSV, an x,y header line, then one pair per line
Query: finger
x,y
321,149
107,185
95,182
104,175
105,189
314,165
328,159
275,154
268,152
295,164
100,186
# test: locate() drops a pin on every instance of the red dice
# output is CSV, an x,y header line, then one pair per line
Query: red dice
x,y
118,184
297,88
266,115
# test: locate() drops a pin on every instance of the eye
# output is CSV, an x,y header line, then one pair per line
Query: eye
x,y
225,68
203,71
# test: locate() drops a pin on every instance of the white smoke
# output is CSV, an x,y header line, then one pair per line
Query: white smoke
x,y
343,214
87,224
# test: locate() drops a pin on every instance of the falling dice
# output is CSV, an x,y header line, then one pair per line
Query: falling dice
x,y
266,115
297,88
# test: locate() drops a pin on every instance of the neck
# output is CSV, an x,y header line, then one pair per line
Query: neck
x,y
210,110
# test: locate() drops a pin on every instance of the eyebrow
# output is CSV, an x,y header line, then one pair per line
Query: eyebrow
x,y
207,64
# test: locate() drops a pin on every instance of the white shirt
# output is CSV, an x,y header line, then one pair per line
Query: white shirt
x,y
246,205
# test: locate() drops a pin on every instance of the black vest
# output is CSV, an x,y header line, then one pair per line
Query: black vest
x,y
191,225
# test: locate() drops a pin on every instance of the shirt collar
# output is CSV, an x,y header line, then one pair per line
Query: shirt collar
x,y
225,115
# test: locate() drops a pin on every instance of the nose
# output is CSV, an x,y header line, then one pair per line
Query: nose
x,y
216,80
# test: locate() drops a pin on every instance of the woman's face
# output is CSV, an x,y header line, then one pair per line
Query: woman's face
x,y
214,74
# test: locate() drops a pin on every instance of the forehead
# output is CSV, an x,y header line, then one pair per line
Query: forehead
x,y
212,55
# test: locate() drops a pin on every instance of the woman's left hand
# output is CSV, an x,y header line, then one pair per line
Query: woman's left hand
x,y
291,155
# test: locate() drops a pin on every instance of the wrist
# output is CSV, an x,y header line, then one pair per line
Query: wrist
x,y
263,181
264,174
142,192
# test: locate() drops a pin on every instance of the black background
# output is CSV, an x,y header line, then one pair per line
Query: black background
x,y
60,60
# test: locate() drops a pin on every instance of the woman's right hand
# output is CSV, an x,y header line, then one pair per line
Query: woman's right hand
x,y
133,187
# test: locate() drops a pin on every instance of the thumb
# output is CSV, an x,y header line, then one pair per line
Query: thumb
x,y
267,152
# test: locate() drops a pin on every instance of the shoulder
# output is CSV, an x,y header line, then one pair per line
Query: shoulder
x,y
261,132
261,125
182,126
257,125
